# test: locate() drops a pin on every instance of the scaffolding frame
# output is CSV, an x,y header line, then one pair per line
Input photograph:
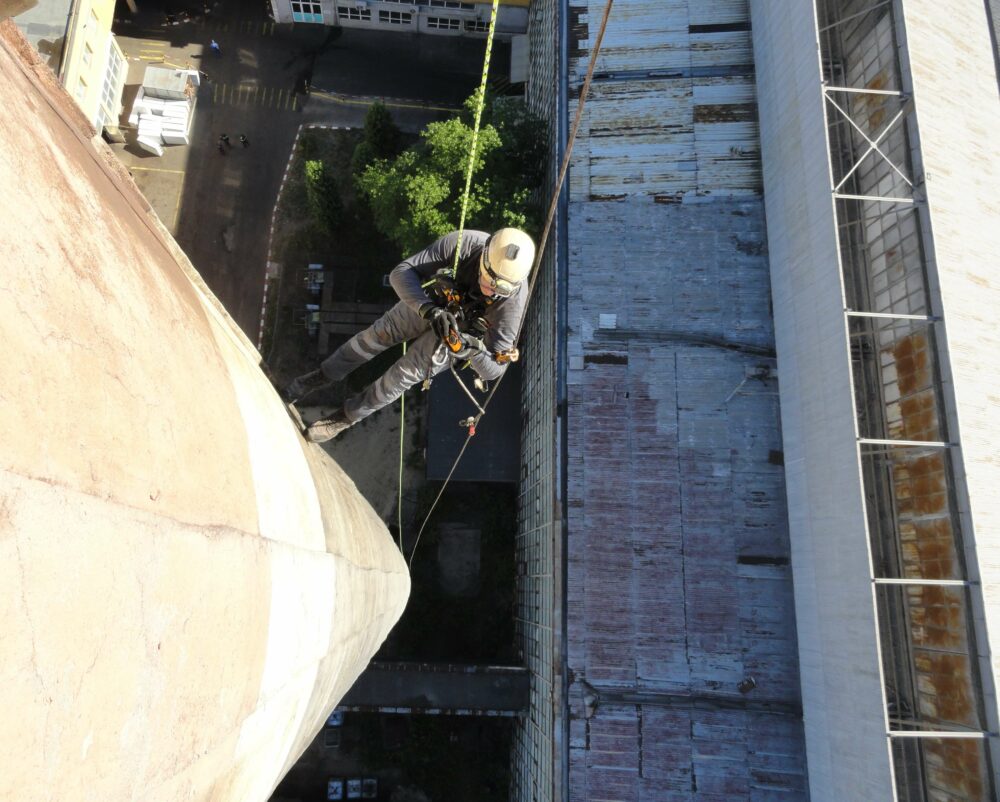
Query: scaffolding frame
x,y
868,112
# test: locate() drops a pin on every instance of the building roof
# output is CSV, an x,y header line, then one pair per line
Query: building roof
x,y
681,643
45,26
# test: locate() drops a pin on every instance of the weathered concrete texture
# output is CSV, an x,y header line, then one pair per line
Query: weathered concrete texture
x,y
188,587
951,60
848,755
679,586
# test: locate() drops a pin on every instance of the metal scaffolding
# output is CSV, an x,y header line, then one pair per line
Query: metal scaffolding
x,y
922,583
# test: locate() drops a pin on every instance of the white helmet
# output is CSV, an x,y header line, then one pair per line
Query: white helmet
x,y
506,261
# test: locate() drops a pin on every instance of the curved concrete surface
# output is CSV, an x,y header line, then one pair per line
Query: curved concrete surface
x,y
186,586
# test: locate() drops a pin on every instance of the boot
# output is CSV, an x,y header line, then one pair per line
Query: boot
x,y
329,427
301,385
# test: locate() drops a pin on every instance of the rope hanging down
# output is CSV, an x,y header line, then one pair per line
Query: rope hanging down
x,y
480,102
550,216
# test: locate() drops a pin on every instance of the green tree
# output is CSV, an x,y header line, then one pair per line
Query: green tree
x,y
417,196
382,138
323,195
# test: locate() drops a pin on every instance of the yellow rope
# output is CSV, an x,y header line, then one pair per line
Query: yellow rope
x,y
539,253
481,101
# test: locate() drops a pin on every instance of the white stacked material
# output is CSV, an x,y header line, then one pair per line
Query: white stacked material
x,y
167,118
138,107
174,133
153,146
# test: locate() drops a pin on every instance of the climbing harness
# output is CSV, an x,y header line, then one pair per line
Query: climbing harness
x,y
471,422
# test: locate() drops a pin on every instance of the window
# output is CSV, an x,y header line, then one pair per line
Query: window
x,y
81,90
114,76
307,12
476,26
354,14
452,4
395,17
443,23
88,54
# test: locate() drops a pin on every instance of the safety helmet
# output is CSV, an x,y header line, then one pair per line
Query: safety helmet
x,y
506,261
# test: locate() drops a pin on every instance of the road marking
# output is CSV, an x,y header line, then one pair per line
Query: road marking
x,y
248,95
157,170
390,103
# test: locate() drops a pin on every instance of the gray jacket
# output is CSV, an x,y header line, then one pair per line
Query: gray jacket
x,y
502,314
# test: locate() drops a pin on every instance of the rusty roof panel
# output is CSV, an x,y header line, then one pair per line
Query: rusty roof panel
x,y
669,137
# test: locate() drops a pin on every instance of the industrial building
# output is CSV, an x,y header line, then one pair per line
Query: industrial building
x,y
758,477
699,621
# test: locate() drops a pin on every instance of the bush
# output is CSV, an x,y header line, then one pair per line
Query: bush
x,y
324,196
382,139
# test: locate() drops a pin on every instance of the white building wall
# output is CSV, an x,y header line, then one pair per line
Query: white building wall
x,y
847,751
952,68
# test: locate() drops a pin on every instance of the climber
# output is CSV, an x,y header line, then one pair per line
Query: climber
x,y
473,317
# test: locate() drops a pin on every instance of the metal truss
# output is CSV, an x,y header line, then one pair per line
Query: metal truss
x,y
862,114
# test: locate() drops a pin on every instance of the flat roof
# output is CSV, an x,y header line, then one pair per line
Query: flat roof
x,y
681,643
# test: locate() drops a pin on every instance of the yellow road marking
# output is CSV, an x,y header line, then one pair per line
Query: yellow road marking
x,y
295,102
157,170
348,102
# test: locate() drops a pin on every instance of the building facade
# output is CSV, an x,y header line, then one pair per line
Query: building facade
x,y
655,593
438,17
880,176
672,655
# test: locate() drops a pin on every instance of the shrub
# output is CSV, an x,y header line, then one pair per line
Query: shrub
x,y
324,196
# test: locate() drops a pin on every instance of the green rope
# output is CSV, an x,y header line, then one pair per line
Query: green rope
x,y
481,101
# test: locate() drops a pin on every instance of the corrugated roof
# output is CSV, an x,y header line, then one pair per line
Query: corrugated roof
x,y
672,108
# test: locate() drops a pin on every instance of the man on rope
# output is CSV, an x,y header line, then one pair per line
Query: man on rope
x,y
474,315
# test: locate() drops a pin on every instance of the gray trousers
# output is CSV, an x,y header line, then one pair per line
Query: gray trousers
x,y
424,357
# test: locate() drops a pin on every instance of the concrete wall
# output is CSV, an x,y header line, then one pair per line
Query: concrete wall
x,y
951,61
847,751
187,587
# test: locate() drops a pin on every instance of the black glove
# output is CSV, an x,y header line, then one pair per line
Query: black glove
x,y
442,321
470,347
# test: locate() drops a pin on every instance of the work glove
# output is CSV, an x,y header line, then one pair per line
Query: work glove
x,y
442,321
470,347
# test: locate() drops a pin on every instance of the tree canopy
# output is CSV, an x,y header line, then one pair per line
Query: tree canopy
x,y
417,197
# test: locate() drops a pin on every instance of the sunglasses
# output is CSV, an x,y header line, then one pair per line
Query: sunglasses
x,y
500,286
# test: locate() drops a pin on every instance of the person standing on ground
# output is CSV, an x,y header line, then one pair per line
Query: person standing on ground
x,y
224,140
244,141
489,298
215,48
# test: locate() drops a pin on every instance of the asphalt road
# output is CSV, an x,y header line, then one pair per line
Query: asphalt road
x,y
219,206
